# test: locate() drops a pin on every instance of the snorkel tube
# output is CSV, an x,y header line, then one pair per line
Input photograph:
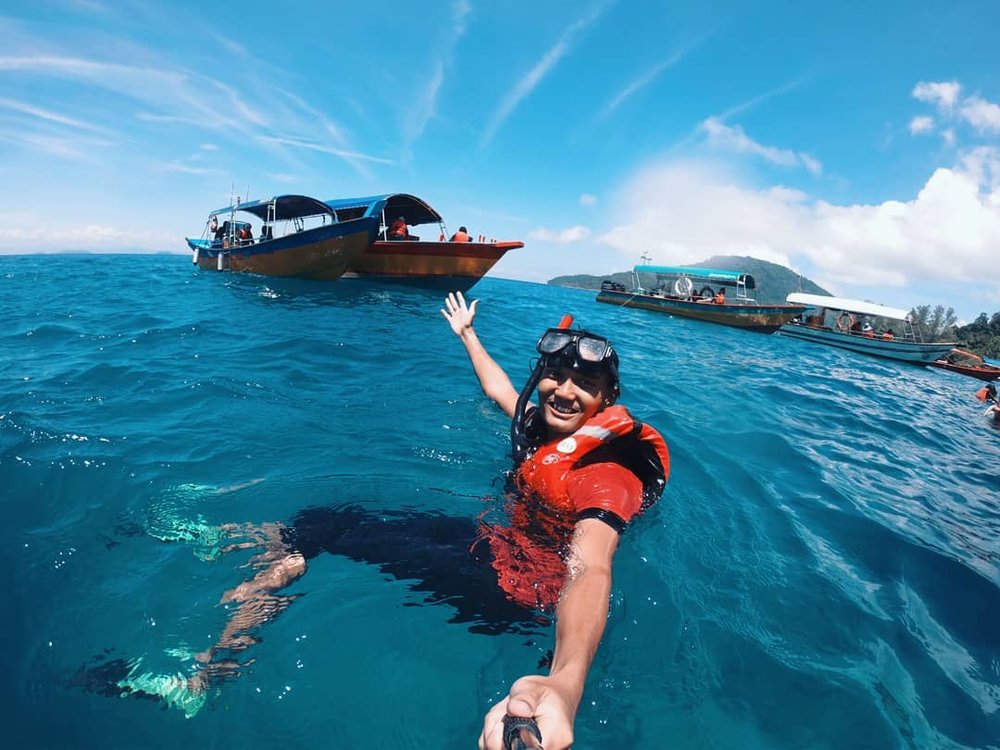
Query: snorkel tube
x,y
520,443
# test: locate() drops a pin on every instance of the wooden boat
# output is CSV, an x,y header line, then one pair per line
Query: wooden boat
x,y
436,263
287,235
967,363
848,324
690,292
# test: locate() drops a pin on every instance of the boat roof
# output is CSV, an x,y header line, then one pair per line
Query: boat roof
x,y
413,209
285,207
711,274
849,305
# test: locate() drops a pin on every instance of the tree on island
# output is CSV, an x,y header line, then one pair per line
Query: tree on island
x,y
982,335
935,325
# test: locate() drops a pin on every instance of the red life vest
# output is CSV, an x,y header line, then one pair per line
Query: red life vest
x,y
529,555
545,473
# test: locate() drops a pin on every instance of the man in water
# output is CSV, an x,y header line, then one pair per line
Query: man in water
x,y
584,468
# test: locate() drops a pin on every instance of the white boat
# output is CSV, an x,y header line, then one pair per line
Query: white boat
x,y
851,324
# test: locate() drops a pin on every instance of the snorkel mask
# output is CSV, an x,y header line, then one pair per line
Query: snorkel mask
x,y
577,350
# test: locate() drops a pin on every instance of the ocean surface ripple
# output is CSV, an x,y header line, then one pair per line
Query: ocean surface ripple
x,y
823,570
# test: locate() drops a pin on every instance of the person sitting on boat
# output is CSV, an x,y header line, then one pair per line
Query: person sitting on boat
x,y
868,331
856,327
888,335
720,296
399,230
462,235
584,467
243,234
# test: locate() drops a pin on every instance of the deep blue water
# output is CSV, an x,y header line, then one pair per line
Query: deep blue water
x,y
823,570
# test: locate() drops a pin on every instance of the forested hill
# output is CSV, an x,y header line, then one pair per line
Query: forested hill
x,y
774,282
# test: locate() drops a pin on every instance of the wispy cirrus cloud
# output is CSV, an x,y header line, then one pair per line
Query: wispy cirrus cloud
x,y
733,138
73,148
49,116
761,98
312,146
644,80
529,82
698,131
424,109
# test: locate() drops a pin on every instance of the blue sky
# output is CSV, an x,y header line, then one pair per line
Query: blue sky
x,y
856,142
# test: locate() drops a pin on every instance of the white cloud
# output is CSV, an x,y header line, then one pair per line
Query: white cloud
x,y
684,212
922,124
981,114
562,237
984,116
942,94
586,199
948,136
733,138
93,237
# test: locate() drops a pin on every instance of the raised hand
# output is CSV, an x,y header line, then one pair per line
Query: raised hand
x,y
457,313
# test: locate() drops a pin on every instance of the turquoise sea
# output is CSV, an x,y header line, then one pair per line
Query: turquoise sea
x,y
823,570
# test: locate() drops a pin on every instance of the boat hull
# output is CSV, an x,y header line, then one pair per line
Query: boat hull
x,y
446,265
323,253
900,351
985,372
753,317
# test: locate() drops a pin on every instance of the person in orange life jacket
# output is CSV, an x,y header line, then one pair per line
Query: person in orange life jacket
x,y
720,296
244,235
587,467
988,394
398,230
462,235
888,335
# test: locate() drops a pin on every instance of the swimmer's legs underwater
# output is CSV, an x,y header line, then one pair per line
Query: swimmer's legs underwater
x,y
437,554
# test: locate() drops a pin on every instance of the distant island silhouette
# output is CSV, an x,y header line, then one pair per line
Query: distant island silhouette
x,y
774,281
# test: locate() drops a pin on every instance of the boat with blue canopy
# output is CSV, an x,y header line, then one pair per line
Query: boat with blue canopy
x,y
286,235
455,263
865,327
700,293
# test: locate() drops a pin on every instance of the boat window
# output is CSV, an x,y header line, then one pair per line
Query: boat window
x,y
346,214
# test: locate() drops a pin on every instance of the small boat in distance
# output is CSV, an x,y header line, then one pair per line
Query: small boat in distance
x,y
436,263
287,235
967,363
699,293
848,324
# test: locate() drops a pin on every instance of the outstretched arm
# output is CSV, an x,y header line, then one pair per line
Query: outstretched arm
x,y
492,379
580,619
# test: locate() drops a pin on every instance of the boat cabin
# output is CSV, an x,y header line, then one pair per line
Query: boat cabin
x,y
275,217
855,318
694,284
390,209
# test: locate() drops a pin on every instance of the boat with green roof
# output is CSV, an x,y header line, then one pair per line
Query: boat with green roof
x,y
700,293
